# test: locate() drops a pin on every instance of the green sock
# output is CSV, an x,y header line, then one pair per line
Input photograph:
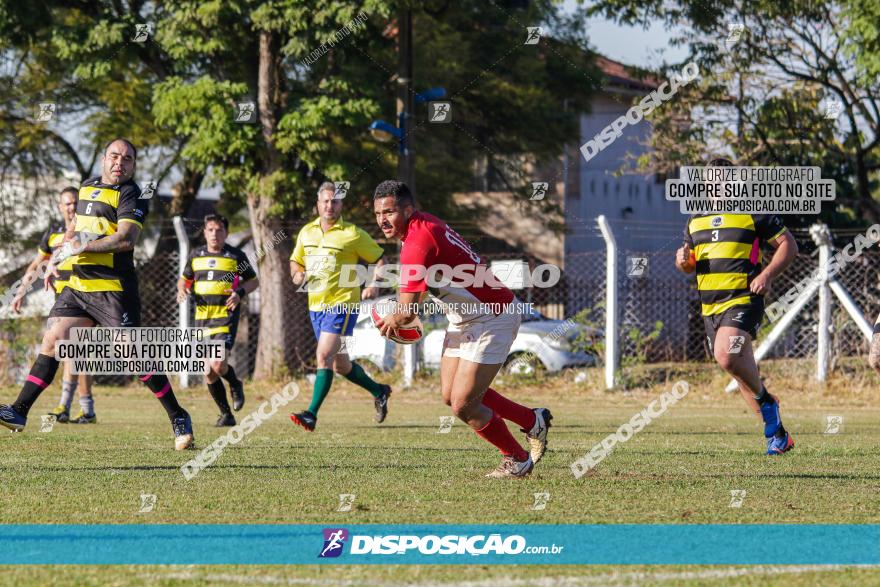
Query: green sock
x,y
359,377
323,381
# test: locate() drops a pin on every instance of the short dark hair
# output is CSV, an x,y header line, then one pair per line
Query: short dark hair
x,y
721,162
70,189
126,141
218,219
398,189
327,185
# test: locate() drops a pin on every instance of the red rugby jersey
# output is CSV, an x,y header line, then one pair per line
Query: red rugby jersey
x,y
429,242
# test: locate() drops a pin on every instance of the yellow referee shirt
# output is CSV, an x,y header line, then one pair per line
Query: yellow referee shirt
x,y
323,254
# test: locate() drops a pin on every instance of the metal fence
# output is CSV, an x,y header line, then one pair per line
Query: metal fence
x,y
662,294
656,294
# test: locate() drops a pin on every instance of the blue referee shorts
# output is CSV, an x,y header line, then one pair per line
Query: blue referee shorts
x,y
336,321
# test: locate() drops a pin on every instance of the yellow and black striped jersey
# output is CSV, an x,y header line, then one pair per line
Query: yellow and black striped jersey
x,y
99,211
727,249
52,239
214,276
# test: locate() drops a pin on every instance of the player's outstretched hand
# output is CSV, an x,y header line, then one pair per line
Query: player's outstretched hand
x,y
181,295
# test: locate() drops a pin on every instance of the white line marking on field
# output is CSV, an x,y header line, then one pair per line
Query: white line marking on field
x,y
569,581
641,577
249,580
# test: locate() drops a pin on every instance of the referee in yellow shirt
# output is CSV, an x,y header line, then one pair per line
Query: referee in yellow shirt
x,y
323,247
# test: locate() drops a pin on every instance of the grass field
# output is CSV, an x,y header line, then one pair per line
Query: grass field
x,y
680,469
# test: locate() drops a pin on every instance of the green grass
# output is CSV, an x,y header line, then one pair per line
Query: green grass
x,y
680,469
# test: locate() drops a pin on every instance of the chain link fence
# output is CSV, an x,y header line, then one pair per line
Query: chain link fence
x,y
652,295
659,293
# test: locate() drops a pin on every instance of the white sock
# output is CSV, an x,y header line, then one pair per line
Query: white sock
x,y
68,388
87,404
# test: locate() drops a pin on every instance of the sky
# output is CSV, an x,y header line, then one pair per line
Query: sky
x,y
632,45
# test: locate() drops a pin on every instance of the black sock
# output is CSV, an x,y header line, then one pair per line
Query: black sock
x,y
230,375
218,392
161,388
764,398
41,376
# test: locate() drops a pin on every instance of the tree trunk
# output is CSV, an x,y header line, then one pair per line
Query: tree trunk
x,y
278,320
867,204
275,354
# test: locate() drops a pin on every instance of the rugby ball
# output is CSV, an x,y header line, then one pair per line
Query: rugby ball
x,y
407,333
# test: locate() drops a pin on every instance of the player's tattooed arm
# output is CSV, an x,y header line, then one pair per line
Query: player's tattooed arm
x,y
119,242
31,274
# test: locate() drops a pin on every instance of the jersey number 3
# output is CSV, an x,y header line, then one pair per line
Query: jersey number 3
x,y
714,236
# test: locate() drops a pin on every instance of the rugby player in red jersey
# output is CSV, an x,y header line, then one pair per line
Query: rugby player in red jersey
x,y
483,322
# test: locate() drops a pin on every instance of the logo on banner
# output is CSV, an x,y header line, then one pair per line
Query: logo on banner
x,y
334,540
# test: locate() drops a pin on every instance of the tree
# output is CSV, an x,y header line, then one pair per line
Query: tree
x,y
771,95
318,74
84,58
271,164
313,113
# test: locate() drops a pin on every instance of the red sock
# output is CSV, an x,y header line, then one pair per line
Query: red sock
x,y
509,410
496,432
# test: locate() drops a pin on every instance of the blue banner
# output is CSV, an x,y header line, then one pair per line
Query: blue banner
x,y
787,544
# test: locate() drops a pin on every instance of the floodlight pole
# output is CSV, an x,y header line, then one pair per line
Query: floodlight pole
x,y
405,153
405,100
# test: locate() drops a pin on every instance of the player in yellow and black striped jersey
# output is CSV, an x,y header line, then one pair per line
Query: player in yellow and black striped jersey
x,y
725,252
51,241
102,288
219,276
